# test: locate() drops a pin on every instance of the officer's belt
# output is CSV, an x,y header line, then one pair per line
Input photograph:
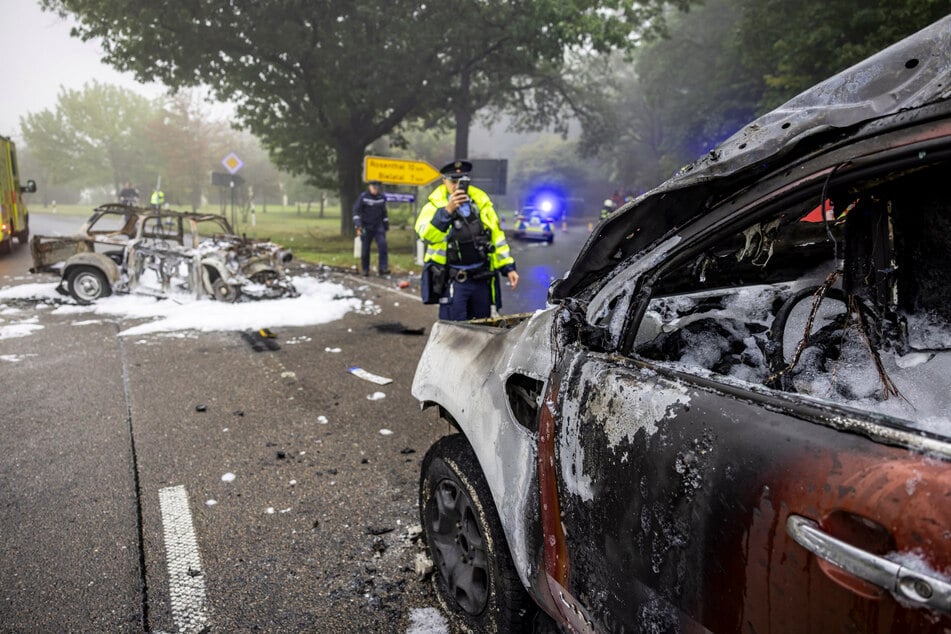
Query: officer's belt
x,y
462,275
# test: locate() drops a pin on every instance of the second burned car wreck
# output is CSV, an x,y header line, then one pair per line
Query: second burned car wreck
x,y
734,415
130,249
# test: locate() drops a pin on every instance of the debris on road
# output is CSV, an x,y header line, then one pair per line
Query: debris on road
x,y
368,376
260,342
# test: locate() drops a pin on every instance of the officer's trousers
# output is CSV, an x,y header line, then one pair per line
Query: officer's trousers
x,y
471,299
367,237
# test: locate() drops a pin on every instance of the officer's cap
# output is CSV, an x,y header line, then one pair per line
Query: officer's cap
x,y
456,169
374,183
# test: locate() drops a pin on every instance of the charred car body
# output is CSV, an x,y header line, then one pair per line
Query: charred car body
x,y
733,416
130,249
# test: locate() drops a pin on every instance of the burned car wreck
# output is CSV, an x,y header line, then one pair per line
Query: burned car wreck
x,y
130,249
735,414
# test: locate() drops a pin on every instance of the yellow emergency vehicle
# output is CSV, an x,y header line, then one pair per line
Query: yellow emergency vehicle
x,y
14,217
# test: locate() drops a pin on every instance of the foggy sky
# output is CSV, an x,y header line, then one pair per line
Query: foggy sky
x,y
40,57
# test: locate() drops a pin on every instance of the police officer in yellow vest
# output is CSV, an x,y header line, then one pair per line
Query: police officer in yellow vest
x,y
157,201
466,249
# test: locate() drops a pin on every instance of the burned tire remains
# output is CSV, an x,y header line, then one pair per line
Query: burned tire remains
x,y
86,284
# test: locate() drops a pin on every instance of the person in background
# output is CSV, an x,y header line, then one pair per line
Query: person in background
x,y
157,201
466,249
129,195
372,222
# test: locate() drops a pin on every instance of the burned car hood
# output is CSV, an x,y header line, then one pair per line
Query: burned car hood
x,y
913,73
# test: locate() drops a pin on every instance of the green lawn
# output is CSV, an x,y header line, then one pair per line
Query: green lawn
x,y
311,238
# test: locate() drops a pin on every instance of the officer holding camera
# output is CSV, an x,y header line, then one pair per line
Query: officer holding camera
x,y
466,251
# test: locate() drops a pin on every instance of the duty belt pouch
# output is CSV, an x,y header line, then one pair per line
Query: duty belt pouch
x,y
433,282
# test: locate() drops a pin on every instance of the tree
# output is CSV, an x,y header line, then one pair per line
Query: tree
x,y
513,55
677,98
95,135
189,145
319,81
795,45
554,162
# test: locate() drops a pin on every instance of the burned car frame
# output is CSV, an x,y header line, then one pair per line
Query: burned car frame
x,y
734,414
124,249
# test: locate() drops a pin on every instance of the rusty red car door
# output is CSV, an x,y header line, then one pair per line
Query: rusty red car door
x,y
675,503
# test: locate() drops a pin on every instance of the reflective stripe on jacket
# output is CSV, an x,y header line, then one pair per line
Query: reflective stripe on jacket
x,y
436,236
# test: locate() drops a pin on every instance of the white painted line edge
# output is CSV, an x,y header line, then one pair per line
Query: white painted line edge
x,y
186,582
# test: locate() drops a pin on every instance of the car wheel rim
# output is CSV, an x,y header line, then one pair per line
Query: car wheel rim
x,y
459,546
88,286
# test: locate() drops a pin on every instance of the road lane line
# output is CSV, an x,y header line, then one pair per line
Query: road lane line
x,y
186,583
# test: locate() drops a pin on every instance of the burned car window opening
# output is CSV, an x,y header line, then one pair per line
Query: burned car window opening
x,y
846,301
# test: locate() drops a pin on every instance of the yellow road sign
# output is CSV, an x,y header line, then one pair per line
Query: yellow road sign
x,y
398,171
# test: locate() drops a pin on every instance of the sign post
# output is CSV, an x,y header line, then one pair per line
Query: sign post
x,y
232,163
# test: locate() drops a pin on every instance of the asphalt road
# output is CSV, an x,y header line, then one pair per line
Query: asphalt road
x,y
115,449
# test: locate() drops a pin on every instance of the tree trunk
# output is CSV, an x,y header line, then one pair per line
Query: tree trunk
x,y
349,178
463,112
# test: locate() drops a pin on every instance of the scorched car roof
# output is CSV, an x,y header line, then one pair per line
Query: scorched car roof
x,y
906,76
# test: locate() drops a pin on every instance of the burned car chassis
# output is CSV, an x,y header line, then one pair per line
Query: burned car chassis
x,y
130,249
735,417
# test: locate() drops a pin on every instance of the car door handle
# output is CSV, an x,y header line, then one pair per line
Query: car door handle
x,y
903,582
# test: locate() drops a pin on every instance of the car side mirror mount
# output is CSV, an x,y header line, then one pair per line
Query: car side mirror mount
x,y
29,188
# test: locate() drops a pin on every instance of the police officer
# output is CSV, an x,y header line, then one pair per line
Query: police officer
x,y
157,201
372,222
463,237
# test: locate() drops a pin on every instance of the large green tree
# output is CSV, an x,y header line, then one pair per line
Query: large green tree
x,y
678,97
319,81
722,65
793,45
93,136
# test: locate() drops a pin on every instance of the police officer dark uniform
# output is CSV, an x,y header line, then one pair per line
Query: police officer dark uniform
x,y
465,244
372,222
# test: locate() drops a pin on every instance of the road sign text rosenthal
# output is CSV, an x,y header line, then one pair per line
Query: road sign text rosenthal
x,y
399,171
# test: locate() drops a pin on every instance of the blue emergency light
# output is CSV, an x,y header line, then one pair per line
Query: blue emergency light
x,y
549,201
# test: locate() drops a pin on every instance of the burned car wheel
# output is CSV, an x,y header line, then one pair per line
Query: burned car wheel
x,y
224,292
86,284
475,578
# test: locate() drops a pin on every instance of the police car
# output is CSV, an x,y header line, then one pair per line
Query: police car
x,y
534,223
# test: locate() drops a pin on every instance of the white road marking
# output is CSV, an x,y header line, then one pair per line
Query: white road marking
x,y
186,581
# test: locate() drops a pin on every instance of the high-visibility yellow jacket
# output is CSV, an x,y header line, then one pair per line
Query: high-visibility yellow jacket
x,y
434,224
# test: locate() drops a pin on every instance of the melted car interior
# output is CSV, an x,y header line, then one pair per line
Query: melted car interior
x,y
845,297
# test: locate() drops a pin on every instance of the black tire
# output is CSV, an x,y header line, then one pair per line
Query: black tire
x,y
475,579
6,246
24,236
224,292
86,284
